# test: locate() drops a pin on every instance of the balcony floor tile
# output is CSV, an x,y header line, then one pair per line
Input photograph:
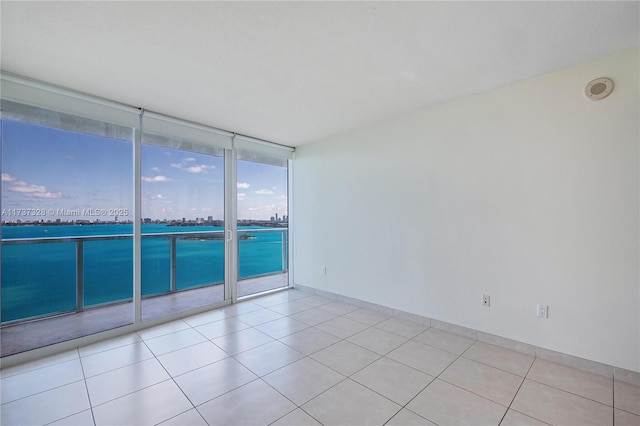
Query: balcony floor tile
x,y
21,337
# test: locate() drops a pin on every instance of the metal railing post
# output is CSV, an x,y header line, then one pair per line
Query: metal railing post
x,y
172,264
284,251
79,275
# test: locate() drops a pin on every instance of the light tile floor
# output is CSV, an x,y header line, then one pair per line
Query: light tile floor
x,y
30,335
295,359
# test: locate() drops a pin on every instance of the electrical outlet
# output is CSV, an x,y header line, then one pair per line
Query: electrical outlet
x,y
542,310
486,300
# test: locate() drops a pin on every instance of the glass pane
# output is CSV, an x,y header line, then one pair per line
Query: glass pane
x,y
120,268
262,223
25,267
183,226
156,268
66,230
200,260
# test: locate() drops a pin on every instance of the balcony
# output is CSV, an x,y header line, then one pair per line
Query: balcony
x,y
61,310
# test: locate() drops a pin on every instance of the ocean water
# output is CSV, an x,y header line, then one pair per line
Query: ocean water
x,y
40,278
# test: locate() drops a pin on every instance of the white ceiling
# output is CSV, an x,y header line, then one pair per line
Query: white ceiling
x,y
295,72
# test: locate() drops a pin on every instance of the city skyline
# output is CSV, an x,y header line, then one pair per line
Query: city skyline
x,y
46,171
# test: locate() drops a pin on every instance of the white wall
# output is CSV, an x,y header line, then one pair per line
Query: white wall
x,y
528,193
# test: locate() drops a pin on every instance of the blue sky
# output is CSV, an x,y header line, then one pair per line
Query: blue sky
x,y
51,169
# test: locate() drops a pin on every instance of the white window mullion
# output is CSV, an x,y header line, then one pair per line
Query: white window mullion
x,y
231,226
137,225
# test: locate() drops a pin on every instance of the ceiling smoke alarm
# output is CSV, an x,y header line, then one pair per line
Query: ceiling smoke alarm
x,y
599,88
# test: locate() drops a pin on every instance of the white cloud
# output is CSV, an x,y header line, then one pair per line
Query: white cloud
x,y
264,192
30,190
243,185
158,178
156,169
241,196
159,198
185,165
198,169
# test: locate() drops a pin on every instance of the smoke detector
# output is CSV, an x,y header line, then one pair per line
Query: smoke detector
x,y
599,88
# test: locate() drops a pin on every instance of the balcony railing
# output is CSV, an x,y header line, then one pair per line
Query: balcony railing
x,y
261,252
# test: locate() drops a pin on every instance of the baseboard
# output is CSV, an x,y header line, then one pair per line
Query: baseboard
x,y
583,364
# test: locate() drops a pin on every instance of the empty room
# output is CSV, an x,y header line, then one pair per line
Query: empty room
x,y
320,213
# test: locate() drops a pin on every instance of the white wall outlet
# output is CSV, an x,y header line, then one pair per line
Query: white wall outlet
x,y
486,300
542,310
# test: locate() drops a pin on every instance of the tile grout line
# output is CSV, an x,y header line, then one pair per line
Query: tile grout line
x,y
229,356
542,383
36,368
385,356
345,376
344,315
84,380
257,376
79,358
262,380
613,397
493,366
45,390
517,391
461,355
445,369
193,406
382,356
572,393
308,356
536,381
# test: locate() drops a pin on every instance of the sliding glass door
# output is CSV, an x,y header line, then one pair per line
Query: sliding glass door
x,y
263,222
182,226
66,226
113,216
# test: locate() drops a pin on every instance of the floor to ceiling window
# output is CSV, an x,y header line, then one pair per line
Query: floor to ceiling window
x,y
66,225
263,222
183,238
112,216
